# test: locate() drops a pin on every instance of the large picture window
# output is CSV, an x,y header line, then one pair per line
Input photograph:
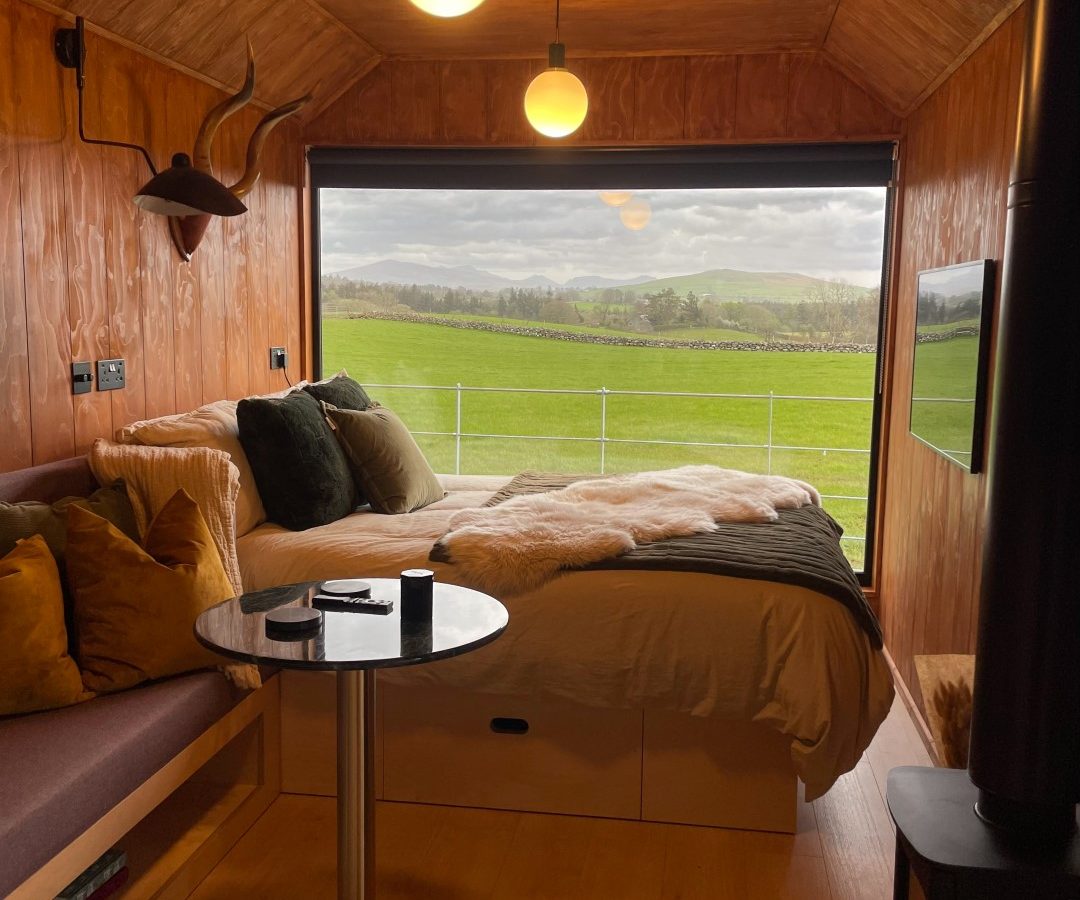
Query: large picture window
x,y
616,311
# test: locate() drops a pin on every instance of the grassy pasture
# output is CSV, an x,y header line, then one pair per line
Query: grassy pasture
x,y
385,352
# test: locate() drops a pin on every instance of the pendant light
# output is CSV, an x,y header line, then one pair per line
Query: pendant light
x,y
446,9
556,101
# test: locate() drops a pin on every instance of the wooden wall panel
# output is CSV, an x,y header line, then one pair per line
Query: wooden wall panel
x,y
646,100
16,449
956,155
762,105
711,97
85,275
41,127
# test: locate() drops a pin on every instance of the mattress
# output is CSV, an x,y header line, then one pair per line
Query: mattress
x,y
707,645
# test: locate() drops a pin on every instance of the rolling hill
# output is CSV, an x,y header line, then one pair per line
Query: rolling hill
x,y
732,284
392,271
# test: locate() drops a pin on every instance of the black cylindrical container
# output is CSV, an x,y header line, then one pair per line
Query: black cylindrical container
x,y
417,590
1025,730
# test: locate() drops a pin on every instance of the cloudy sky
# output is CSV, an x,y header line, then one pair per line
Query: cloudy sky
x,y
825,232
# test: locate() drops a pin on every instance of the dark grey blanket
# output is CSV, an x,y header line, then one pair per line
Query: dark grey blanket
x,y
801,548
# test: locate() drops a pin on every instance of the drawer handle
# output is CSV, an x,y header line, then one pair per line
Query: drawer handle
x,y
501,725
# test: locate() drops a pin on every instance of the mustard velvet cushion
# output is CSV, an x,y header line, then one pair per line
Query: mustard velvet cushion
x,y
135,607
385,461
35,669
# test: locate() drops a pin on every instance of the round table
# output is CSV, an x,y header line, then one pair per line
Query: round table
x,y
350,643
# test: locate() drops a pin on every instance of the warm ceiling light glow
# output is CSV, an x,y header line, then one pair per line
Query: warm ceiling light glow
x,y
556,103
447,9
616,198
635,215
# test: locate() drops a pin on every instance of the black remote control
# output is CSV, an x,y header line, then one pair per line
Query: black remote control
x,y
352,604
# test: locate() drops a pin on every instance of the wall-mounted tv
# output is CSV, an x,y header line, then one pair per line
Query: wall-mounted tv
x,y
951,359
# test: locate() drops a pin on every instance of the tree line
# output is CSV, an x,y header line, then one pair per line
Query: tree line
x,y
830,312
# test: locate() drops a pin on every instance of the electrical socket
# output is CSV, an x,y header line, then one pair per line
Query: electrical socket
x,y
279,358
110,374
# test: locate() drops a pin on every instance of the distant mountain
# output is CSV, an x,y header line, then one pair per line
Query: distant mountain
x,y
733,284
392,271
587,282
717,284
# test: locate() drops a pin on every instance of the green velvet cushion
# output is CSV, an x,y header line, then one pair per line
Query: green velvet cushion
x,y
386,462
22,520
299,467
340,391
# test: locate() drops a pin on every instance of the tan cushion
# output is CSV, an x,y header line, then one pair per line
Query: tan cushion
x,y
213,426
135,607
385,460
36,671
154,474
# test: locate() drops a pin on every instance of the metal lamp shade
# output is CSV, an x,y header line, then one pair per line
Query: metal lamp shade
x,y
182,190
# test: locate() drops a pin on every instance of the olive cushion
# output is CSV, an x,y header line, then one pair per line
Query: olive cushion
x,y
36,671
21,520
385,460
300,469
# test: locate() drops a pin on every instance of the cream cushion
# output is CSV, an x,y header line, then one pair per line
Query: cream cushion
x,y
154,474
212,426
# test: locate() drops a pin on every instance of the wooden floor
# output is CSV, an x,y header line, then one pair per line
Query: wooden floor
x,y
843,849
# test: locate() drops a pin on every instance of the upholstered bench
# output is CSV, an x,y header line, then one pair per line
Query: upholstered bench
x,y
76,781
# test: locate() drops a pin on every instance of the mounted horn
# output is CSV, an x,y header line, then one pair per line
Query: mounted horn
x,y
258,138
214,118
187,231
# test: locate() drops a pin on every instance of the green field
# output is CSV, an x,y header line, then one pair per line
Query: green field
x,y
385,352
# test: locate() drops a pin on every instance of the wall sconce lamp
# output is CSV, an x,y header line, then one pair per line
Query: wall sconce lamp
x,y
187,192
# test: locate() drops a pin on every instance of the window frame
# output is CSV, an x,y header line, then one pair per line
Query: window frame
x,y
869,164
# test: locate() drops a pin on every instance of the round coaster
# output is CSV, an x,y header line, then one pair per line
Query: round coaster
x,y
347,587
294,618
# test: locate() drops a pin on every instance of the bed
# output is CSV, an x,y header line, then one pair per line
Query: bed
x,y
663,695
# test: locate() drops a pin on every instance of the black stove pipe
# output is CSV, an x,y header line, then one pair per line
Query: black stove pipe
x,y
1025,737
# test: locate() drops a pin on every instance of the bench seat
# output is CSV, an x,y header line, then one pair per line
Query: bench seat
x,y
62,770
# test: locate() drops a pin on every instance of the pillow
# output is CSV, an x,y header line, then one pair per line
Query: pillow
x,y
135,607
36,671
300,469
213,426
154,474
385,460
22,520
340,391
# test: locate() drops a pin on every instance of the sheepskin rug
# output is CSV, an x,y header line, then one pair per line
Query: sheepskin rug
x,y
526,541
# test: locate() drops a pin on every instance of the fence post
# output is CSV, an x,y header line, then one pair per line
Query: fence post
x,y
770,430
457,430
603,428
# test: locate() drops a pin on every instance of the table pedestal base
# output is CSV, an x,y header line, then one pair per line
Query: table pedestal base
x,y
355,784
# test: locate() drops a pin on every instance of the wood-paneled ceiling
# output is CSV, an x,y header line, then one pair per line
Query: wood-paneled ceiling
x,y
899,50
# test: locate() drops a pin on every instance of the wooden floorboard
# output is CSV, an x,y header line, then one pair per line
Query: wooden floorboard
x,y
842,850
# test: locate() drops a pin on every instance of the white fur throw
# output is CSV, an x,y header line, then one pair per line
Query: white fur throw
x,y
525,541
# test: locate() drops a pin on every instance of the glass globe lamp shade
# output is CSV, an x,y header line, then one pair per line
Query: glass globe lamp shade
x,y
556,102
446,9
616,198
635,215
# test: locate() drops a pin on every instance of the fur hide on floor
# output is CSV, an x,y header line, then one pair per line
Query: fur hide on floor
x,y
520,544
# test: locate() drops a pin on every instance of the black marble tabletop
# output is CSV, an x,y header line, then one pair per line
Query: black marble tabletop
x,y
462,620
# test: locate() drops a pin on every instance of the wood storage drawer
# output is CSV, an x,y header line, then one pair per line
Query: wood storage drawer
x,y
717,772
503,752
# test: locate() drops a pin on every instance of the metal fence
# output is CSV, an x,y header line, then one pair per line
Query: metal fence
x,y
603,440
